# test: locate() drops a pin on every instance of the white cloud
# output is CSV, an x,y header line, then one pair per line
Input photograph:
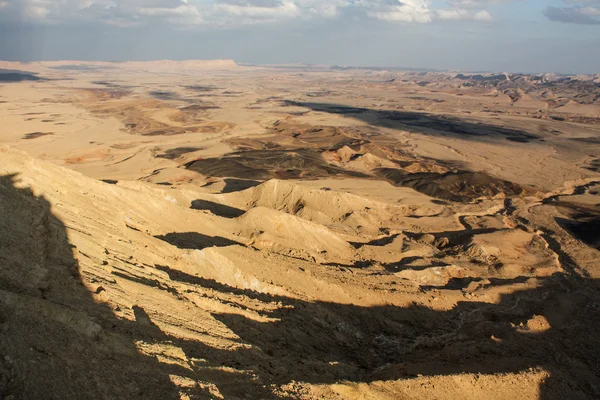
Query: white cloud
x,y
452,14
212,13
422,11
327,9
417,11
474,3
482,15
463,14
183,14
285,9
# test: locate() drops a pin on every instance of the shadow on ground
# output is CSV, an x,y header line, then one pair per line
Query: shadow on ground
x,y
424,123
254,165
195,240
57,342
236,185
321,342
8,75
217,209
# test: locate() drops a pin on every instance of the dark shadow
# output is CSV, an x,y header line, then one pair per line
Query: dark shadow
x,y
7,75
200,107
179,276
236,185
201,88
447,243
110,94
195,240
405,264
359,264
164,95
218,209
35,135
593,165
142,318
174,153
464,283
585,229
416,122
319,137
110,84
154,283
384,241
270,164
581,220
566,261
449,239
587,140
56,341
458,186
322,342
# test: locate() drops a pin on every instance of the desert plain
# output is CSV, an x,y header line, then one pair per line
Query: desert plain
x,y
203,229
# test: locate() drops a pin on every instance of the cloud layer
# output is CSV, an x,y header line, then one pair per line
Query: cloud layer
x,y
224,13
584,12
233,13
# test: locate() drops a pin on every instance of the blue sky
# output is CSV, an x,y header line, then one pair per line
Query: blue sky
x,y
491,35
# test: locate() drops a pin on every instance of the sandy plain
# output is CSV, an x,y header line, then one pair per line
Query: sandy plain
x,y
208,230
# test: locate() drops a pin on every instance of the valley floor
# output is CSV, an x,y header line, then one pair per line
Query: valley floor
x,y
243,232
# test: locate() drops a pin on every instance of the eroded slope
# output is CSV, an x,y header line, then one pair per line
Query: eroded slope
x,y
279,291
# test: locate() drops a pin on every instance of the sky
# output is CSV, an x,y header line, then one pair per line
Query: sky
x,y
467,35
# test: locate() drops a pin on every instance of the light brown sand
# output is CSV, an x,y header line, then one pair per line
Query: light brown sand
x,y
254,239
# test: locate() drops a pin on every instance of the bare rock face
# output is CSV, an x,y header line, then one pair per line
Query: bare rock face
x,y
195,229
460,186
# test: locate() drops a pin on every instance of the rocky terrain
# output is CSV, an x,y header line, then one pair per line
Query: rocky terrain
x,y
205,230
